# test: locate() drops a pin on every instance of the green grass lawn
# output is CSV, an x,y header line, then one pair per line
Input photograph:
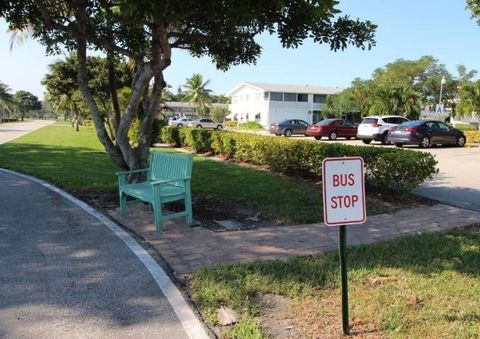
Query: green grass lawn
x,y
424,286
77,162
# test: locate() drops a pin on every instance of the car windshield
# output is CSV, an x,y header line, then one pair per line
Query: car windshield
x,y
369,121
325,122
414,123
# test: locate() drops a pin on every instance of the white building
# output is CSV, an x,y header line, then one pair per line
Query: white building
x,y
269,103
185,109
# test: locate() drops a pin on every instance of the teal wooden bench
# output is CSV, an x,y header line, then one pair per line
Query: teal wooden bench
x,y
168,179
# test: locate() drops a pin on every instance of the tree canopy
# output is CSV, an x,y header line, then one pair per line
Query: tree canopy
x,y
147,31
402,87
26,102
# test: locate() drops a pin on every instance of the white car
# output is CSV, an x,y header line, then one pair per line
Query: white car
x,y
205,123
377,127
178,122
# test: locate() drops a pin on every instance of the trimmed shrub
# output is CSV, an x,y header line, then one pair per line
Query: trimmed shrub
x,y
388,168
170,135
473,136
464,126
196,138
158,124
230,123
253,125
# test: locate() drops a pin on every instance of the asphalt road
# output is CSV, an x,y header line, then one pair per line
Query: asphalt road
x,y
63,274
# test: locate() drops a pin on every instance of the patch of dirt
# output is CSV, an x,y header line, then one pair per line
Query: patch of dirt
x,y
276,319
474,229
311,318
207,210
321,317
100,200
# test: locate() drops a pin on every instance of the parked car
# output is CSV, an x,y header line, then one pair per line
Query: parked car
x,y
289,127
178,122
425,133
332,128
377,127
205,123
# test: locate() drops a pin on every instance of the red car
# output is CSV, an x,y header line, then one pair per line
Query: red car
x,y
332,128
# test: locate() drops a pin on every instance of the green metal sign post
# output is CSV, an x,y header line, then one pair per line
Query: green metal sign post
x,y
343,204
342,244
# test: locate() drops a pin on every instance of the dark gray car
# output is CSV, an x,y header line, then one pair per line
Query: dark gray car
x,y
289,127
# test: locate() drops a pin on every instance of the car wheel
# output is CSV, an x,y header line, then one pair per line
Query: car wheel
x,y
287,133
385,139
199,126
461,141
366,141
424,142
219,127
348,138
398,144
318,137
180,125
332,136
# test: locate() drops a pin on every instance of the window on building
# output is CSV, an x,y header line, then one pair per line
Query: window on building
x,y
302,97
266,96
317,116
257,117
276,96
320,98
289,97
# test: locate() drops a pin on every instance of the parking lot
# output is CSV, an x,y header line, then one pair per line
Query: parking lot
x,y
458,180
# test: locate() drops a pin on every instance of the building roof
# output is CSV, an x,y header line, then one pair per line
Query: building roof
x,y
173,104
308,89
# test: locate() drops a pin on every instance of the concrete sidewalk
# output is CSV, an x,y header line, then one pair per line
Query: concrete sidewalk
x,y
65,274
11,131
186,249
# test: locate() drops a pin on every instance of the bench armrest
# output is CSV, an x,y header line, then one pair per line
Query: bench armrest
x,y
158,182
132,171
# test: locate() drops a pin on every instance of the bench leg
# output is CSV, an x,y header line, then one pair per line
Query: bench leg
x,y
157,216
188,209
123,203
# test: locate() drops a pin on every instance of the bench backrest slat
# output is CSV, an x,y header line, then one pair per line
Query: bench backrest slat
x,y
165,166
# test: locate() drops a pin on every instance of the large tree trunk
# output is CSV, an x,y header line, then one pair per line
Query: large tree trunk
x,y
119,149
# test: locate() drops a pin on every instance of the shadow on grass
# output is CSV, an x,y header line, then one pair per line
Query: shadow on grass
x,y
427,255
73,168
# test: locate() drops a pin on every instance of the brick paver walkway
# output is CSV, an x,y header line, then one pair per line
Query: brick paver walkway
x,y
186,249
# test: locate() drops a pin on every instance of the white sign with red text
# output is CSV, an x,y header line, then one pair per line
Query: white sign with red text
x,y
343,191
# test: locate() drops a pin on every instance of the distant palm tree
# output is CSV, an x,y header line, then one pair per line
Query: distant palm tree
x,y
469,99
197,93
7,102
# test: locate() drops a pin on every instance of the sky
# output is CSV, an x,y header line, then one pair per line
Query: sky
x,y
406,29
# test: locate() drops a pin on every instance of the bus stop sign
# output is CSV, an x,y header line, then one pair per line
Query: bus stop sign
x,y
343,191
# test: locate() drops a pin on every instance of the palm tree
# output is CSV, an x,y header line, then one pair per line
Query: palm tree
x,y
6,100
408,101
469,99
196,92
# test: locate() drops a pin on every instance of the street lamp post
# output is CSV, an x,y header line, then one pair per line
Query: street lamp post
x,y
442,82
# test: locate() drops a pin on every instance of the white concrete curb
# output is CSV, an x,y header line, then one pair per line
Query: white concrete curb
x,y
192,326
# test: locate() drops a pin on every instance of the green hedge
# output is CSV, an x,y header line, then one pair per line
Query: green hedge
x,y
196,138
473,136
395,169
